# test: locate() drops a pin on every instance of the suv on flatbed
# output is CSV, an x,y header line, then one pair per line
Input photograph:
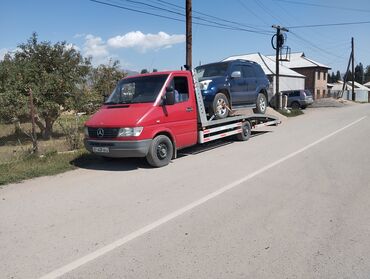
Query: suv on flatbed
x,y
232,84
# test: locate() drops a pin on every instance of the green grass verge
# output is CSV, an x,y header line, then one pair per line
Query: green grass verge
x,y
292,113
35,166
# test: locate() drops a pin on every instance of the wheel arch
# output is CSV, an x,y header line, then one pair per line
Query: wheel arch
x,y
172,139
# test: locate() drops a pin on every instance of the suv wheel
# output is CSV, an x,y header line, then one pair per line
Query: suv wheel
x,y
295,105
220,106
261,104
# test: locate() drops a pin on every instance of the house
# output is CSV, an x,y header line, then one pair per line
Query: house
x,y
315,72
362,93
288,79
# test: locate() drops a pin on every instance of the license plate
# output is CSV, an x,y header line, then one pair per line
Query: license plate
x,y
101,149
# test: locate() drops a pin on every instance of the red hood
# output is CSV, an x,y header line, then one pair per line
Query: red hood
x,y
120,116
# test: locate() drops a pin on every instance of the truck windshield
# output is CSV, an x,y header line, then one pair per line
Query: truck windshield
x,y
212,70
137,90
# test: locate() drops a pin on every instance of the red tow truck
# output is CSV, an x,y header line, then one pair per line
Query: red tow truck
x,y
155,115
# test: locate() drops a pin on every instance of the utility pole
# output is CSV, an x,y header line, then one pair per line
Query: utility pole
x,y
278,44
353,70
189,36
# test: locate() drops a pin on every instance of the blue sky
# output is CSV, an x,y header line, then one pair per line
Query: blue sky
x,y
142,41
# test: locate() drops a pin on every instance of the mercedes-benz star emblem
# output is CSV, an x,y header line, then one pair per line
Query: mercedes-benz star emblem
x,y
100,132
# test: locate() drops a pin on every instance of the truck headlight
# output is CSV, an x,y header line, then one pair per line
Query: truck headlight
x,y
86,131
130,132
204,84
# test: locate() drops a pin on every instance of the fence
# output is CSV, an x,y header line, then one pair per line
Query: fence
x,y
360,95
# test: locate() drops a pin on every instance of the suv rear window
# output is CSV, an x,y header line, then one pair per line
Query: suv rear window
x,y
212,70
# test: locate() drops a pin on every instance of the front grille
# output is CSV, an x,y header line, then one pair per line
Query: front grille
x,y
103,133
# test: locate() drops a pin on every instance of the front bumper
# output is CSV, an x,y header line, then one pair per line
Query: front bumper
x,y
118,149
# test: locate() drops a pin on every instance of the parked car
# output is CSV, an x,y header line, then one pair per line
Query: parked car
x,y
235,83
298,98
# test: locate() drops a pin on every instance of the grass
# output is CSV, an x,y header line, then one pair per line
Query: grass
x,y
16,146
292,113
16,163
34,166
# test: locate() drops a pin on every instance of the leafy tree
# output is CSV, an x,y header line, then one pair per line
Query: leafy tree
x,y
52,72
155,70
359,73
13,105
144,71
104,78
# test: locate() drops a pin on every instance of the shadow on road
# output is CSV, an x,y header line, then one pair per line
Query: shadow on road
x,y
94,162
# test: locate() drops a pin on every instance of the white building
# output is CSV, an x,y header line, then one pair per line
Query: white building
x,y
288,79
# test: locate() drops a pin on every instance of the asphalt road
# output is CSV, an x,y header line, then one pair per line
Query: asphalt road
x,y
290,203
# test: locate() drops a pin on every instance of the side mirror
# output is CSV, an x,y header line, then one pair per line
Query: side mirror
x,y
170,96
236,74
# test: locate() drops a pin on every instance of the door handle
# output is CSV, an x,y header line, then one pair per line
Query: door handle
x,y
189,109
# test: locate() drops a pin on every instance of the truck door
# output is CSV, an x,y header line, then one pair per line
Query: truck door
x,y
181,117
238,86
251,83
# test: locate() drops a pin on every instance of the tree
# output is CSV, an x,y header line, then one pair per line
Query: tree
x,y
13,105
367,74
359,73
331,77
338,76
144,71
103,80
52,72
155,70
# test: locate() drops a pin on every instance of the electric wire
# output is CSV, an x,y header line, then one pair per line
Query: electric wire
x,y
324,6
220,26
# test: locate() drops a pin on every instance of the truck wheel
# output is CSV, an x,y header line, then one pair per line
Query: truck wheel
x,y
220,106
160,151
246,132
295,105
261,104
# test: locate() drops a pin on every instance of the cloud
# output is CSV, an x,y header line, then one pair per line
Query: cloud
x,y
3,51
95,46
144,42
72,46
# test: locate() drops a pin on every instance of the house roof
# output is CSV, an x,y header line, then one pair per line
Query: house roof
x,y
337,86
299,60
367,84
267,64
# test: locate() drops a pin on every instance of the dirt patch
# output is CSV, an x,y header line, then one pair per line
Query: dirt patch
x,y
331,102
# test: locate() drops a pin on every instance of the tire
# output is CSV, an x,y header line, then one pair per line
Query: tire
x,y
246,132
220,106
160,151
261,104
295,105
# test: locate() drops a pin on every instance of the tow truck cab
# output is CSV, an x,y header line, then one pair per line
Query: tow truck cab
x,y
158,106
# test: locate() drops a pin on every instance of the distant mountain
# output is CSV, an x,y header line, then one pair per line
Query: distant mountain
x,y
130,73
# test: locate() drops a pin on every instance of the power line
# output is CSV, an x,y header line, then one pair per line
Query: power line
x,y
220,26
215,17
324,6
329,24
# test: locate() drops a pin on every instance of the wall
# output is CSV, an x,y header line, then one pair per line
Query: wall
x,y
288,83
318,87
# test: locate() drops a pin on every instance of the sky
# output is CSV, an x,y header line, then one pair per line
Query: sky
x,y
144,41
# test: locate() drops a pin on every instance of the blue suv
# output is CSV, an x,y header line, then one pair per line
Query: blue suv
x,y
231,84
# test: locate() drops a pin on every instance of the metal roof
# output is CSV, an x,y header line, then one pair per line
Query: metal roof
x,y
299,60
267,64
